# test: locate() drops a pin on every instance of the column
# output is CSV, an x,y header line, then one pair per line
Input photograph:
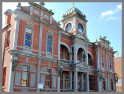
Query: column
x,y
40,40
82,82
38,74
11,79
59,36
86,57
75,69
87,82
70,80
17,19
98,67
75,80
108,82
58,80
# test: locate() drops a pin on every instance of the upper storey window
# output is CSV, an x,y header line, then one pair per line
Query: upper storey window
x,y
102,60
80,27
110,63
49,43
8,39
28,36
68,27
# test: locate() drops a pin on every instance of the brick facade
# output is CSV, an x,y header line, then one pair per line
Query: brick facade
x,y
24,68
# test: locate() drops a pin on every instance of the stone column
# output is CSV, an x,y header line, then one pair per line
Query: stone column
x,y
75,80
82,82
86,57
59,37
58,80
38,74
75,69
108,82
98,67
58,84
70,80
87,82
39,60
11,79
15,39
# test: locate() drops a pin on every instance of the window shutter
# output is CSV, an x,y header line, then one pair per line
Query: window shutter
x,y
32,81
54,81
43,79
17,78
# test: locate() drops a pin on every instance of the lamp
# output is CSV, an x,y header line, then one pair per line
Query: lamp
x,y
61,67
116,77
101,75
14,61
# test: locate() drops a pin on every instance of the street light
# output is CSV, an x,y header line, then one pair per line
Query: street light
x,y
116,77
101,75
61,67
14,61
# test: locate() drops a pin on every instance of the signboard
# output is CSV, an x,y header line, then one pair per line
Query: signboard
x,y
40,86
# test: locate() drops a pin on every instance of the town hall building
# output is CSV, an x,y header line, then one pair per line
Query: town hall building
x,y
40,56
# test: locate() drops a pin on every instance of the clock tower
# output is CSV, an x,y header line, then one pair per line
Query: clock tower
x,y
74,22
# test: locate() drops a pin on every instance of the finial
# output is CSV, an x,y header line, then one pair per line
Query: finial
x,y
42,4
73,3
19,6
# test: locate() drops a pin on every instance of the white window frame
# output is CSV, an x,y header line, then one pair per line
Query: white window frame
x,y
29,26
50,33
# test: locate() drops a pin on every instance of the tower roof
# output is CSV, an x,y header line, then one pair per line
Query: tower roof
x,y
74,12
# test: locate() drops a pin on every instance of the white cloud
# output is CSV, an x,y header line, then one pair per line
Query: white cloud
x,y
110,12
119,6
111,18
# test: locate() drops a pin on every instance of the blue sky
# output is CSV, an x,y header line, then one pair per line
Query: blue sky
x,y
104,18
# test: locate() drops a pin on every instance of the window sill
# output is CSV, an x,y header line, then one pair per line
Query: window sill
x,y
7,48
3,87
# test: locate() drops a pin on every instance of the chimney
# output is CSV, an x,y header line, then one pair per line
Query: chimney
x,y
8,14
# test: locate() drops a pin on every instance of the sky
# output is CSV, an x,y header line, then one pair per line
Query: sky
x,y
104,18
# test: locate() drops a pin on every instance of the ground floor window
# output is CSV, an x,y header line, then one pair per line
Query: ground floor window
x,y
4,76
111,84
91,82
103,84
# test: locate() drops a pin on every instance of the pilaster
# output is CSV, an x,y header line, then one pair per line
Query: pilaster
x,y
17,21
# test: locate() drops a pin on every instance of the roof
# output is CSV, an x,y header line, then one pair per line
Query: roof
x,y
74,12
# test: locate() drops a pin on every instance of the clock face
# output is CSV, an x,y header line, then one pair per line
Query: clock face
x,y
80,27
68,27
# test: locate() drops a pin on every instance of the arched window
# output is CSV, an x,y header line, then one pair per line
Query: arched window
x,y
68,27
80,27
28,35
102,60
110,63
50,42
90,60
